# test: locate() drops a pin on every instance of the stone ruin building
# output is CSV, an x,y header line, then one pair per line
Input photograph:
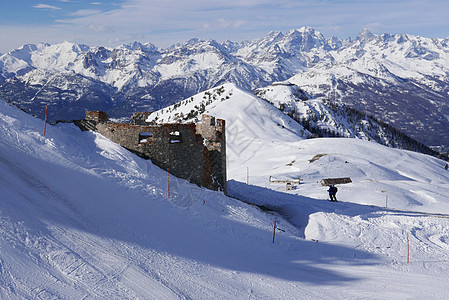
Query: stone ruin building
x,y
196,152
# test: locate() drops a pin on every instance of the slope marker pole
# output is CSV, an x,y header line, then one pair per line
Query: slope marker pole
x,y
274,229
408,249
168,184
45,122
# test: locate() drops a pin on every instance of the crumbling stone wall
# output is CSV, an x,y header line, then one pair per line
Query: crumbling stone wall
x,y
196,152
96,116
332,181
213,132
139,118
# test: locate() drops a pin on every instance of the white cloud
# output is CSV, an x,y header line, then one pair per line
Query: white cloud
x,y
46,6
224,24
98,28
85,12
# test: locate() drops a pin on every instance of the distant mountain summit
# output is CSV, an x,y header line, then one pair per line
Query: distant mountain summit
x,y
401,79
365,35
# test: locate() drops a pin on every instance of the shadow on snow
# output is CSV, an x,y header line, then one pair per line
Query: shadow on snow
x,y
134,226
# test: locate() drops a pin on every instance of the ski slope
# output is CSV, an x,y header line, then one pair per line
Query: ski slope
x,y
82,218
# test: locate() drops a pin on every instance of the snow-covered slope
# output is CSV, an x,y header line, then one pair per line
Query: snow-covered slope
x,y
83,218
376,212
250,121
269,143
317,113
326,118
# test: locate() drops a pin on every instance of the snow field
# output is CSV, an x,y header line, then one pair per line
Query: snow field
x,y
394,192
83,218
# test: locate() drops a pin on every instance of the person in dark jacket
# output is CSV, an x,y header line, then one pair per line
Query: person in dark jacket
x,y
333,192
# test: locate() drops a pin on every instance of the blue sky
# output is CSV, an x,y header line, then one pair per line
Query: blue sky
x,y
165,22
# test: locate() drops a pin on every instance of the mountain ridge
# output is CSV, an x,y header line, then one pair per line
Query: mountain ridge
x,y
292,111
388,75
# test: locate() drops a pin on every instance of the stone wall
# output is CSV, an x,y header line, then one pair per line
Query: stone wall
x,y
332,181
196,152
139,118
213,132
96,116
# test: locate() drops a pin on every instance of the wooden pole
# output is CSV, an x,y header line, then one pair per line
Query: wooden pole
x,y
168,183
45,124
274,230
247,175
408,249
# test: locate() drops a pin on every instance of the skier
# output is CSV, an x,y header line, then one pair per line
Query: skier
x,y
333,193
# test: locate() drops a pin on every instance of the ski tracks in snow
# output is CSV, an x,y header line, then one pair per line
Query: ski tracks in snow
x,y
104,272
76,261
385,233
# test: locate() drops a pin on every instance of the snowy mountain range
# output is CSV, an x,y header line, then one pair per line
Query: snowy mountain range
x,y
400,79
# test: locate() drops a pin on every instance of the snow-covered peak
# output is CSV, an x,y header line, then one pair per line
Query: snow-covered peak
x,y
402,38
307,30
19,61
147,47
59,56
365,35
54,57
192,42
24,52
273,37
304,39
255,119
334,42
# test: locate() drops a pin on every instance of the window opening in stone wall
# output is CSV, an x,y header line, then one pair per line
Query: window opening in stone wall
x,y
175,137
212,121
145,137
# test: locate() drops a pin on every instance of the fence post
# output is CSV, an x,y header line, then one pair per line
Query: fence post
x,y
45,123
408,249
168,183
274,230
